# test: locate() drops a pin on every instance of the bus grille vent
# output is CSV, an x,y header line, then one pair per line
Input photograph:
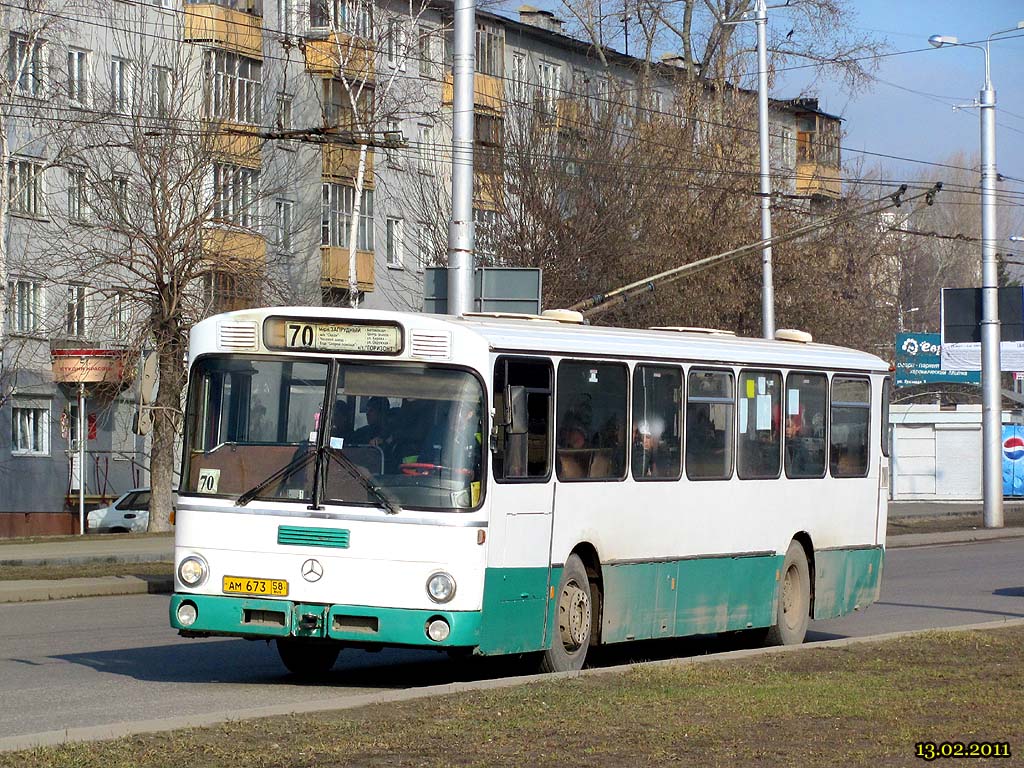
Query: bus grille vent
x,y
432,345
238,335
297,536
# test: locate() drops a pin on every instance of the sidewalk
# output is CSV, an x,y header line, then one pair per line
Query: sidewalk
x,y
129,549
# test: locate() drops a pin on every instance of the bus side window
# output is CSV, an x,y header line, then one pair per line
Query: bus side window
x,y
759,433
523,456
709,425
592,419
850,427
657,429
806,400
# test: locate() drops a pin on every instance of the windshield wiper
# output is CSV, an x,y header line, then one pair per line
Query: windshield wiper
x,y
289,469
387,500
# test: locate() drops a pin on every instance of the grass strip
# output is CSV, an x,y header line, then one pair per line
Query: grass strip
x,y
861,705
84,570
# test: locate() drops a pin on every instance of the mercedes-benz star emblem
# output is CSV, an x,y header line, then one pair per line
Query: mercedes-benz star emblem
x,y
312,570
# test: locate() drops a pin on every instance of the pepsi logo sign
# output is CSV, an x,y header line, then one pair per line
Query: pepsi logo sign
x,y
1013,448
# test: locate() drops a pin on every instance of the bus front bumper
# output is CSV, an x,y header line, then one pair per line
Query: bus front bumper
x,y
360,625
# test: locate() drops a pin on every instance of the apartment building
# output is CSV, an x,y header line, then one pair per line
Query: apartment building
x,y
305,110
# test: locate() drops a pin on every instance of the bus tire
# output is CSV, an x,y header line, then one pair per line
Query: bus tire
x,y
573,620
793,610
307,658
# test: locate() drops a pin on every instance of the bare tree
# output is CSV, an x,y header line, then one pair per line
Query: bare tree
x,y
168,211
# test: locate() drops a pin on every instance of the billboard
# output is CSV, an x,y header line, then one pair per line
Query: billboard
x,y
918,361
961,329
1013,460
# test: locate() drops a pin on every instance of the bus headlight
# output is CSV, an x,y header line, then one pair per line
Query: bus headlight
x,y
441,587
193,571
187,614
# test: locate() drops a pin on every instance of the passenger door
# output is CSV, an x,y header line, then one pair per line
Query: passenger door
x,y
519,559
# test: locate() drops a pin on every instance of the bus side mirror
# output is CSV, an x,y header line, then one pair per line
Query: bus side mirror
x,y
517,420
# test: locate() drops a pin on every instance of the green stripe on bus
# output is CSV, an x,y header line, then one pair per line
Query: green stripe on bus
x,y
846,580
247,617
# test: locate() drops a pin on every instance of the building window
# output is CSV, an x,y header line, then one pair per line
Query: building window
x,y
283,117
286,16
336,217
120,86
234,194
119,198
490,50
519,77
422,245
788,154
78,205
338,104
25,183
26,306
25,65
352,16
425,159
121,316
426,53
284,210
550,77
78,76
30,430
74,314
393,228
233,87
397,40
160,90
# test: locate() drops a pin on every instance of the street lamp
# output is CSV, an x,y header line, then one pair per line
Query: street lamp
x,y
991,397
759,15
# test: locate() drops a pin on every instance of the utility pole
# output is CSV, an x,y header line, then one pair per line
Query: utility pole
x,y
767,284
991,394
760,18
461,237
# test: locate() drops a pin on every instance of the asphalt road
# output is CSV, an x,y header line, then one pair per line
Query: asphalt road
x,y
99,661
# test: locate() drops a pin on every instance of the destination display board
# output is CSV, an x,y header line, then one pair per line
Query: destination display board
x,y
311,335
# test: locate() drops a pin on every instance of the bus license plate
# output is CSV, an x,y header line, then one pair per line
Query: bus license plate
x,y
242,585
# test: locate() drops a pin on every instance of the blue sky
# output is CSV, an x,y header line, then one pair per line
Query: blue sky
x,y
908,112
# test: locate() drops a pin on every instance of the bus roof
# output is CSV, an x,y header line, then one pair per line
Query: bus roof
x,y
507,334
540,335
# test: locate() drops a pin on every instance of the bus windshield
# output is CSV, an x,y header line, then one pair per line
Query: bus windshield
x,y
410,434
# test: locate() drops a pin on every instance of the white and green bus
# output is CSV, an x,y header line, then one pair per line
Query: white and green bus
x,y
499,484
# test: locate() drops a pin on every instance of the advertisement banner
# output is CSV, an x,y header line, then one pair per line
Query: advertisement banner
x,y
918,361
1013,460
961,328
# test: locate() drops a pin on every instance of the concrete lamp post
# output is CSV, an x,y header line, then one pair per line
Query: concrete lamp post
x,y
991,408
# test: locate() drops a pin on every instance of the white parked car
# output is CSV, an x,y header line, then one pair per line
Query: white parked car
x,y
128,514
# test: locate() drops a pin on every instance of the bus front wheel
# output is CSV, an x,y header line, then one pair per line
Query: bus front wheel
x,y
573,620
793,609
307,658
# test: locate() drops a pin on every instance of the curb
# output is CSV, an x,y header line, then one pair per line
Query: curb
x,y
117,730
60,589
162,557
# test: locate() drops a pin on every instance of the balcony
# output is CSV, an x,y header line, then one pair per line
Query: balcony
x,y
235,143
337,52
235,249
334,268
340,162
818,180
225,28
488,93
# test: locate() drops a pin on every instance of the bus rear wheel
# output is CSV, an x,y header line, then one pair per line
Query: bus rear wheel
x,y
307,658
793,609
573,620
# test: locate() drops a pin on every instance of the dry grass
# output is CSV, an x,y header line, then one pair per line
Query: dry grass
x,y
862,705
